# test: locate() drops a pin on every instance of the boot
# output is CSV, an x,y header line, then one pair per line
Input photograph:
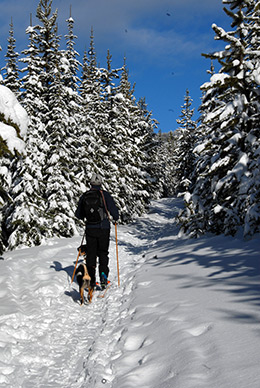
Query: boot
x,y
103,280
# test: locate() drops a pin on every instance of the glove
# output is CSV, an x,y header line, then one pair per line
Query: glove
x,y
83,249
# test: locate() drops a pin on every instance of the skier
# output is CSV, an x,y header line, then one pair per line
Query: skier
x,y
94,206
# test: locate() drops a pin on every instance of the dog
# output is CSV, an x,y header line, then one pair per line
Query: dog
x,y
83,280
83,277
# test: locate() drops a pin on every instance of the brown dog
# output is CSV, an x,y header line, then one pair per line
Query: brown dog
x,y
83,280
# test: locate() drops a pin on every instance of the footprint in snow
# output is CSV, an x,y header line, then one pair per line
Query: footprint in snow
x,y
145,284
201,329
136,342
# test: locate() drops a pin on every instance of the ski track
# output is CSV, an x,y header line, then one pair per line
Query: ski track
x,y
48,340
69,348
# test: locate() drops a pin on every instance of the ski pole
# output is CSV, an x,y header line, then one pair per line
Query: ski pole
x,y
77,259
117,256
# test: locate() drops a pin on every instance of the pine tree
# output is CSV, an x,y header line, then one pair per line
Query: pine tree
x,y
90,91
149,145
185,136
73,100
47,189
61,185
132,127
26,223
5,163
70,66
104,137
223,195
11,149
58,79
90,83
165,164
46,41
11,73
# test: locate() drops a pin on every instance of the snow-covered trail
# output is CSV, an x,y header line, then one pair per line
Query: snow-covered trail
x,y
46,338
186,314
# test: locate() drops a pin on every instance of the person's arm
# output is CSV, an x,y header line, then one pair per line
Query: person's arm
x,y
111,206
80,211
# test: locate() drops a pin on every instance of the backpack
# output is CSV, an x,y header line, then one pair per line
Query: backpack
x,y
93,207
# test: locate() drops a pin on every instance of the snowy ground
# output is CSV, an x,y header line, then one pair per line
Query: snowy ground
x,y
185,316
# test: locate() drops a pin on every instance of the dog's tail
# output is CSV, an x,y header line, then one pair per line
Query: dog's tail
x,y
86,277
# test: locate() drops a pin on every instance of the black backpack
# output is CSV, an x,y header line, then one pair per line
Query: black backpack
x,y
94,208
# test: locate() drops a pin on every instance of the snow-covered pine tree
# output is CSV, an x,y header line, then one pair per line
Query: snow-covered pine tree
x,y
76,120
59,175
32,87
90,82
1,78
10,71
184,144
251,205
51,135
102,146
46,41
25,221
31,97
70,68
225,193
61,187
109,89
13,127
132,135
27,217
165,164
111,141
72,65
149,145
91,113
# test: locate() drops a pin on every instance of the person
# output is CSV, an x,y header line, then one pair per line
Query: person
x,y
98,234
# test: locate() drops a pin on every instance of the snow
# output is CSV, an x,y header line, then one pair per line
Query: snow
x,y
219,78
217,209
256,75
235,138
119,96
186,313
11,109
198,149
235,63
9,134
221,162
241,166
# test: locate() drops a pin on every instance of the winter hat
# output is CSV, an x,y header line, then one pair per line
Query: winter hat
x,y
96,180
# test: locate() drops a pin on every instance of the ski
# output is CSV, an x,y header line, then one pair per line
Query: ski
x,y
102,294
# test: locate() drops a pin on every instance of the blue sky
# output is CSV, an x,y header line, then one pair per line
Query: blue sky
x,y
161,39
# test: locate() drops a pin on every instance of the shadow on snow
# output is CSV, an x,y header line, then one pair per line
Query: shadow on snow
x,y
233,263
73,293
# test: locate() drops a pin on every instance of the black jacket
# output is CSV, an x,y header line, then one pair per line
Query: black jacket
x,y
111,207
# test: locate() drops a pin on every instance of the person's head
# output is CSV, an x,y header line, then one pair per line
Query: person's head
x,y
96,180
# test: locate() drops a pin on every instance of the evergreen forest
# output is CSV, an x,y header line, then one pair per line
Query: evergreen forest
x,y
83,119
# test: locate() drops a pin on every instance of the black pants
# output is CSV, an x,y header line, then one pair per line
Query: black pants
x,y
97,246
